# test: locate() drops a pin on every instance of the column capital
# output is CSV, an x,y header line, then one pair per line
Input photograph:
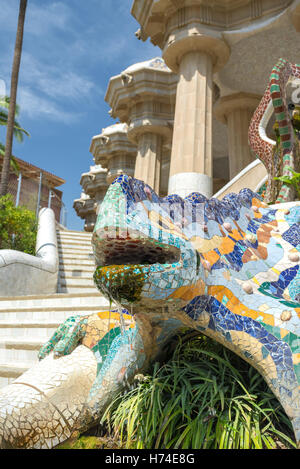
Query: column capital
x,y
112,141
194,38
236,101
296,17
150,125
94,181
158,17
150,80
85,209
143,96
114,151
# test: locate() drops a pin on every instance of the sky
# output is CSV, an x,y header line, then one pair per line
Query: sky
x,y
71,49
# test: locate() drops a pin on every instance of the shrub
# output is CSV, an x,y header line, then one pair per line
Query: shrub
x,y
293,180
18,226
204,397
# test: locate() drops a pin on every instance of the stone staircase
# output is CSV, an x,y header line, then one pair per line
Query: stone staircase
x,y
76,262
27,322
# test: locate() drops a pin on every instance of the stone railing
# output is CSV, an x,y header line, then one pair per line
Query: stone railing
x,y
253,176
23,274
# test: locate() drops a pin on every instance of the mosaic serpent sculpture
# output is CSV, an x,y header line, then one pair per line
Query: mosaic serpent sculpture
x,y
277,161
229,269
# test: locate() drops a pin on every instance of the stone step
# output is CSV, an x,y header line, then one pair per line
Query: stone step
x,y
14,370
72,233
65,256
9,372
75,270
71,261
76,281
36,318
81,246
75,250
73,238
28,329
57,316
87,273
51,302
54,317
75,243
76,289
86,247
27,322
16,350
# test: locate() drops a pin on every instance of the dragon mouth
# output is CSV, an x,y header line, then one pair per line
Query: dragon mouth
x,y
125,264
137,252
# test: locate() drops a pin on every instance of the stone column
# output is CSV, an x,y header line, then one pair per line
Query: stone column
x,y
95,185
191,159
148,160
165,171
143,96
85,209
236,111
114,151
193,46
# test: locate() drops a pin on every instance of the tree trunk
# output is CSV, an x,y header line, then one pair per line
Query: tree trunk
x,y
13,99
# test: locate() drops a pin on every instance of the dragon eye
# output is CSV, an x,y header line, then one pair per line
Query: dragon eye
x,y
291,106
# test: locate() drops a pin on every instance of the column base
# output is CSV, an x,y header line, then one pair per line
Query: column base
x,y
184,184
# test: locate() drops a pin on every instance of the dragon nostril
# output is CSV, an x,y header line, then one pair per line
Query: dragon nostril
x,y
198,262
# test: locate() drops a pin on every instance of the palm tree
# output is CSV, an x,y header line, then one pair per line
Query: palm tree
x,y
18,131
13,98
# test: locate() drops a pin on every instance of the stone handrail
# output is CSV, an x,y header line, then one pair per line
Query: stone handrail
x,y
253,177
24,274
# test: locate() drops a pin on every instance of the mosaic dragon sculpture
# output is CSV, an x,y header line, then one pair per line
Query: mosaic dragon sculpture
x,y
229,269
279,158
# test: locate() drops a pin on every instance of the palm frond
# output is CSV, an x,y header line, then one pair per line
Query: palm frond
x,y
4,102
13,163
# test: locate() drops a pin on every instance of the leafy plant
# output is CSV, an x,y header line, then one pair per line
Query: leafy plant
x,y
18,226
293,180
204,397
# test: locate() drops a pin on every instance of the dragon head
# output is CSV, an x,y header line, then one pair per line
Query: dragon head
x,y
141,247
151,251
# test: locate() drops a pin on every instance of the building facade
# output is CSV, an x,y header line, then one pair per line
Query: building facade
x,y
35,188
188,112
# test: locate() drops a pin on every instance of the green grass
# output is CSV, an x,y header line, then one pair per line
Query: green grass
x,y
204,397
90,442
